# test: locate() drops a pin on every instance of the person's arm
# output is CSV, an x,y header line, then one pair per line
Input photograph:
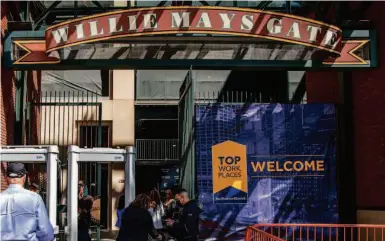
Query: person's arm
x,y
179,225
169,202
44,230
162,213
187,222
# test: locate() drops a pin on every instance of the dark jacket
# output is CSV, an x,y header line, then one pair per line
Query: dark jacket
x,y
84,218
173,211
136,225
187,227
84,221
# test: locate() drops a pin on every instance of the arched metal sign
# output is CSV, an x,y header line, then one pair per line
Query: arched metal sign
x,y
181,36
207,20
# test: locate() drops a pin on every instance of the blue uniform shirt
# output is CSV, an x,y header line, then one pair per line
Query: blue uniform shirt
x,y
119,213
24,216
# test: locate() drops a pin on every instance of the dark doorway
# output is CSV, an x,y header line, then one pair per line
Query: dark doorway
x,y
156,122
147,178
161,177
261,86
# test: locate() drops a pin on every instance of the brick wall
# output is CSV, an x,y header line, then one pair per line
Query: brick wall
x,y
369,122
7,100
322,87
368,117
7,109
34,95
7,97
37,172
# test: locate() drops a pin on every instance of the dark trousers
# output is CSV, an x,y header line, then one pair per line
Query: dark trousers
x,y
83,235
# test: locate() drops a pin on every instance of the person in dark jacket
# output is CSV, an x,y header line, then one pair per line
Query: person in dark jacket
x,y
136,222
84,218
186,228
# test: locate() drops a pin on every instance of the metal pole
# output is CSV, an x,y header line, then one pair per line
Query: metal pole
x,y
52,158
19,107
129,182
99,166
345,134
72,194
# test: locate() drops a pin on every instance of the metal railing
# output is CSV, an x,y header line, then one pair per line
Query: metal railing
x,y
315,232
157,150
239,97
255,234
66,118
208,97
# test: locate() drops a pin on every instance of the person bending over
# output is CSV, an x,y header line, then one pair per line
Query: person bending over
x,y
137,222
186,228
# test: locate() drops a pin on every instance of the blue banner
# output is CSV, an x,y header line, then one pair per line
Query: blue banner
x,y
282,157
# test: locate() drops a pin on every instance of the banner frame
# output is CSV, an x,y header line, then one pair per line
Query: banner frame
x,y
365,34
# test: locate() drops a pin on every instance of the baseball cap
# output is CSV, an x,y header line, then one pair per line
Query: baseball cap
x,y
16,170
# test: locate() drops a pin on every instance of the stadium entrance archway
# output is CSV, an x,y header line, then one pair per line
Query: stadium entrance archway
x,y
184,47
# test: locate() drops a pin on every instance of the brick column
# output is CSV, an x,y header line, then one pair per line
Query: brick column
x,y
7,96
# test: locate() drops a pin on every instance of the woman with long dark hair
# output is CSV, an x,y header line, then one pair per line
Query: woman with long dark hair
x,y
137,222
156,209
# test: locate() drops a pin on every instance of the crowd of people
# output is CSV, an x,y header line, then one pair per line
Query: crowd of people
x,y
148,217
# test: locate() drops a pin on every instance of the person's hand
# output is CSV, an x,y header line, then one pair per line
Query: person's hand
x,y
170,222
169,202
152,205
81,192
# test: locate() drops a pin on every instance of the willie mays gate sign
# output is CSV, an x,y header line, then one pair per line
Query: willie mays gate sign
x,y
204,37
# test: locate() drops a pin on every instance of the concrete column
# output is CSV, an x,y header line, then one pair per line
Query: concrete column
x,y
123,130
123,124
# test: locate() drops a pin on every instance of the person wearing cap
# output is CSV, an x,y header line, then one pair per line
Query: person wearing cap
x,y
23,213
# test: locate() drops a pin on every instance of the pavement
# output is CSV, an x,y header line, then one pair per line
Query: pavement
x,y
107,235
